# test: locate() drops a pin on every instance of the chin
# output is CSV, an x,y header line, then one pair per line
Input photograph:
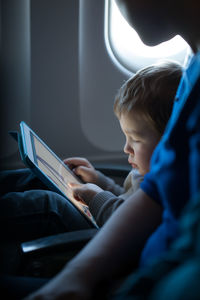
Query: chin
x,y
154,42
152,33
153,36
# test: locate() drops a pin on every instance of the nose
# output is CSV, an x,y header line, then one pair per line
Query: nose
x,y
128,149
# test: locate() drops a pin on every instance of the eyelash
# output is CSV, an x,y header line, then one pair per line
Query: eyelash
x,y
133,140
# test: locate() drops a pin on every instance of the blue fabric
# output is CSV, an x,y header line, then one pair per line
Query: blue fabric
x,y
174,176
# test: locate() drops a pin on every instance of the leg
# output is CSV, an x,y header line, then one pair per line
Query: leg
x,y
36,213
19,180
29,210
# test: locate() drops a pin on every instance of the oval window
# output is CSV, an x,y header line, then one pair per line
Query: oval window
x,y
129,52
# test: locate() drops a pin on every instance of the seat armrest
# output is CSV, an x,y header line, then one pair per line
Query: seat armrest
x,y
67,240
45,257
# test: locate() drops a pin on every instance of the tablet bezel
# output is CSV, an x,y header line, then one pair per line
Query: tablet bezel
x,y
29,159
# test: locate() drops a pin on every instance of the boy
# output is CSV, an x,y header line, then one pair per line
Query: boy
x,y
143,106
30,211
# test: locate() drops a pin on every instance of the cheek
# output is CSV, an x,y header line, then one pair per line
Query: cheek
x,y
143,157
148,153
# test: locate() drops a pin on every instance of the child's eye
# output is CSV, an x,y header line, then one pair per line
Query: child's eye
x,y
132,139
135,140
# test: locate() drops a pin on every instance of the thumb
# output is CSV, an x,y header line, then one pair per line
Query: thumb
x,y
86,174
73,185
76,187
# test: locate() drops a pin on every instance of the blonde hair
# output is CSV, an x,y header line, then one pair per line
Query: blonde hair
x,y
151,93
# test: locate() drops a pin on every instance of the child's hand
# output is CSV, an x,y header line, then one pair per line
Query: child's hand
x,y
85,192
82,168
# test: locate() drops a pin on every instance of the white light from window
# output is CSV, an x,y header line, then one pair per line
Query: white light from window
x,y
126,47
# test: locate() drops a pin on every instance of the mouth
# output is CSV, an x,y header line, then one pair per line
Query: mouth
x,y
134,166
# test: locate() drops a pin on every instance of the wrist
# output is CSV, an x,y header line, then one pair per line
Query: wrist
x,y
102,180
91,191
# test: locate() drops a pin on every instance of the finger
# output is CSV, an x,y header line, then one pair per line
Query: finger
x,y
76,161
81,171
73,185
71,166
77,195
79,199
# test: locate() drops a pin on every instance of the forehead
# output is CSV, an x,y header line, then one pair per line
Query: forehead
x,y
134,123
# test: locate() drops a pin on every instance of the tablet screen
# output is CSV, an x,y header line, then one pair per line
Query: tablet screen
x,y
56,171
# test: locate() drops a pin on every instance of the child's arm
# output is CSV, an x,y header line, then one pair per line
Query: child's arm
x,y
103,206
101,203
108,184
85,170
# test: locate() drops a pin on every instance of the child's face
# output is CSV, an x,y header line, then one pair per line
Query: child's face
x,y
141,140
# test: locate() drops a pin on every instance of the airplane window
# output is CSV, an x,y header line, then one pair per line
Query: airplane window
x,y
128,51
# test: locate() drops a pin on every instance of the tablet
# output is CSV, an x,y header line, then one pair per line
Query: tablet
x,y
49,168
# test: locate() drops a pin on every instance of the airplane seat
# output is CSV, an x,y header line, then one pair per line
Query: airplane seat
x,y
43,257
10,256
26,266
46,256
